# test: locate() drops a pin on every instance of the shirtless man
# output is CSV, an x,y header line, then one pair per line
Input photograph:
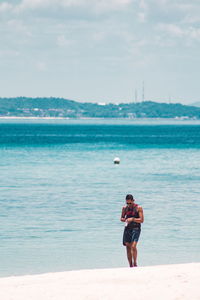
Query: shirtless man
x,y
133,215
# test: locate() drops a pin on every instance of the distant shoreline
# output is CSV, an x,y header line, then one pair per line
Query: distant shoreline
x,y
99,121
36,118
23,107
96,118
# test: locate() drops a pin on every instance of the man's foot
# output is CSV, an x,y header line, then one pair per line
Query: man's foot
x,y
134,265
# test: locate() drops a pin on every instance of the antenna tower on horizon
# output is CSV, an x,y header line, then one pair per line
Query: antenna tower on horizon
x,y
135,95
143,98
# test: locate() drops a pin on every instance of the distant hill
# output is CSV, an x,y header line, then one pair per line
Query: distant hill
x,y
59,107
196,104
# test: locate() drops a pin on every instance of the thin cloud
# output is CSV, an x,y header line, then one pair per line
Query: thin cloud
x,y
172,29
41,66
62,41
103,5
18,26
9,53
5,7
180,32
142,17
143,4
172,10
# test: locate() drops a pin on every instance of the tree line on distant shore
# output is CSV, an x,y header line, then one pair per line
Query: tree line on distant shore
x,y
59,107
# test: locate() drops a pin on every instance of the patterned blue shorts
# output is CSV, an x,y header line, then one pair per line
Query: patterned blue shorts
x,y
131,235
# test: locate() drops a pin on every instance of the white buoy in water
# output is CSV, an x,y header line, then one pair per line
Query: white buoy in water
x,y
116,160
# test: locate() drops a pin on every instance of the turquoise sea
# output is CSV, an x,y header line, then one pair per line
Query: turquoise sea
x,y
61,195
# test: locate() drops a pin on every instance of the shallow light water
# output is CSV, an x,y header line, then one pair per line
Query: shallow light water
x,y
61,201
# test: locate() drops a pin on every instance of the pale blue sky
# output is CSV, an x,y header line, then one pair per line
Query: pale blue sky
x,y
100,50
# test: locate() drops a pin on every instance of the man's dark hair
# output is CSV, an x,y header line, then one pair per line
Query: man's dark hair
x,y
129,197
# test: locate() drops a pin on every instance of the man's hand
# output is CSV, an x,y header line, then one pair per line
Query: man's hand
x,y
123,219
129,220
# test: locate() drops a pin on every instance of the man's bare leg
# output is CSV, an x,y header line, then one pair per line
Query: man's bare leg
x,y
129,254
134,253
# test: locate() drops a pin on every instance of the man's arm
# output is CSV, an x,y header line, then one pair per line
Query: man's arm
x,y
122,219
141,216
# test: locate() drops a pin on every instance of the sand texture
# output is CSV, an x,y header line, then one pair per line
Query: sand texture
x,y
155,282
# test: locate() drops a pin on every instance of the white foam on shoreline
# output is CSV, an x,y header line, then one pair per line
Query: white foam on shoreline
x,y
180,282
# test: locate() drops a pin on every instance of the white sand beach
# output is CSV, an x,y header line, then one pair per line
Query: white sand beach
x,y
168,282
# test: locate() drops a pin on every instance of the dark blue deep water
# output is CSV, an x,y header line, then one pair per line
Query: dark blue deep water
x,y
126,134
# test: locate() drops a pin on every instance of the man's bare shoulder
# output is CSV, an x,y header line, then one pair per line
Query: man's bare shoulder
x,y
140,208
